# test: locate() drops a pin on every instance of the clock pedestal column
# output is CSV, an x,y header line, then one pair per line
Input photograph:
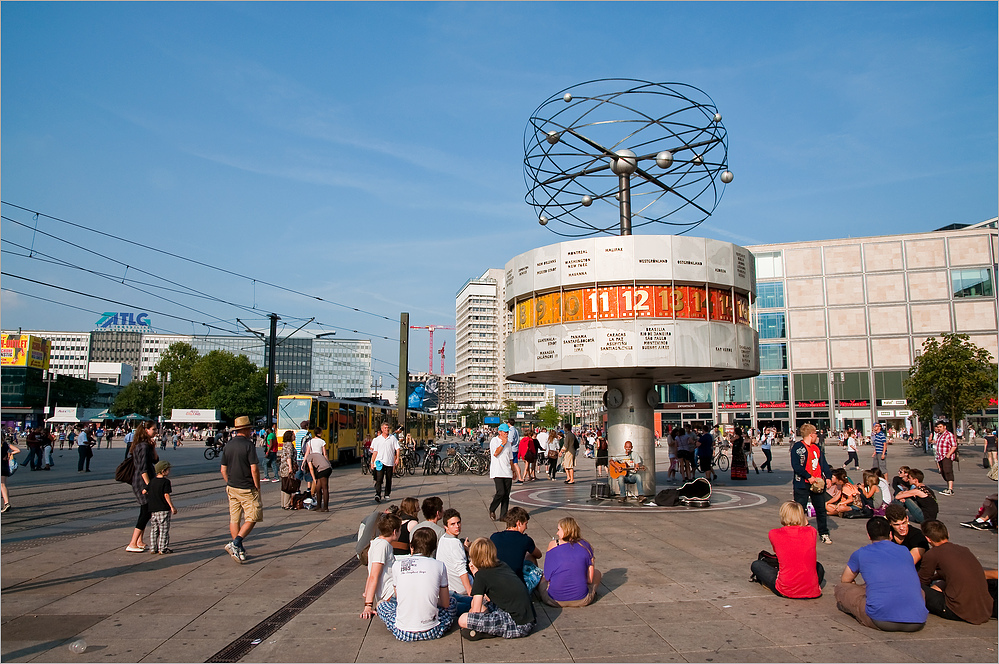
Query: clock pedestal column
x,y
634,420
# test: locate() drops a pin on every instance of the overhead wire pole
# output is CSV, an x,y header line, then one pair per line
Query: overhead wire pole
x,y
403,367
272,351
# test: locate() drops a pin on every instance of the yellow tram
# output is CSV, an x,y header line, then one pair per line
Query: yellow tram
x,y
347,425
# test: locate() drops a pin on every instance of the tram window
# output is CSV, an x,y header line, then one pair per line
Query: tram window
x,y
351,417
323,415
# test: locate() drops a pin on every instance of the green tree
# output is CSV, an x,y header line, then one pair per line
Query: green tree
x,y
472,418
548,416
509,410
230,383
179,361
139,396
952,376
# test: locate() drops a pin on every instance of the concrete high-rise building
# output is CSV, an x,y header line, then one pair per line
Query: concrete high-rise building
x,y
481,326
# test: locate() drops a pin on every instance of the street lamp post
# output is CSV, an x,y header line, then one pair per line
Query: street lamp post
x,y
49,378
164,379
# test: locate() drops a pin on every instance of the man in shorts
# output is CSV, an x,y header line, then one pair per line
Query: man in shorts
x,y
945,453
241,472
570,444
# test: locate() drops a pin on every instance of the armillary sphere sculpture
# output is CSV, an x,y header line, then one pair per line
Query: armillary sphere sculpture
x,y
656,151
631,312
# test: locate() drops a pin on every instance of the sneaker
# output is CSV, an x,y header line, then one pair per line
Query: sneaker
x,y
167,550
232,551
241,554
388,497
947,492
474,635
976,524
378,498
825,539
5,507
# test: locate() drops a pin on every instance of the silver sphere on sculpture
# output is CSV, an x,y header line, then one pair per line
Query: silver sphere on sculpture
x,y
553,137
543,220
625,163
717,117
567,97
727,177
587,200
698,159
664,159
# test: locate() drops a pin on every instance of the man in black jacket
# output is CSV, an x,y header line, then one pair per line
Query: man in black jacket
x,y
811,477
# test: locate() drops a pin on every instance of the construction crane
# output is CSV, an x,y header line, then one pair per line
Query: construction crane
x,y
441,353
430,362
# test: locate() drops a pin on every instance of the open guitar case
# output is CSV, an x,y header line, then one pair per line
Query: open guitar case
x,y
696,493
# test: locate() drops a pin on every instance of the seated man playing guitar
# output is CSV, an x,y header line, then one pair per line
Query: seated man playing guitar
x,y
625,470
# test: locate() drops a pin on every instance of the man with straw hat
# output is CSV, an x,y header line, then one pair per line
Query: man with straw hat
x,y
241,472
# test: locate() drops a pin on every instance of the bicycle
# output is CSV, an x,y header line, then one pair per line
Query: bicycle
x,y
432,462
366,461
464,460
720,460
214,450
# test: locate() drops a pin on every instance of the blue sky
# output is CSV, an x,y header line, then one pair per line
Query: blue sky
x,y
371,154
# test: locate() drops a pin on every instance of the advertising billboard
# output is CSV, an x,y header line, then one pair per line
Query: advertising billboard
x,y
24,350
423,394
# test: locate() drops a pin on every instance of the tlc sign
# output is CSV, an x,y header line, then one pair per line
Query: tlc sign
x,y
122,319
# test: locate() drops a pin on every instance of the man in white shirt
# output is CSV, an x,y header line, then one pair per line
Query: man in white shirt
x,y
384,458
421,609
453,552
500,469
512,439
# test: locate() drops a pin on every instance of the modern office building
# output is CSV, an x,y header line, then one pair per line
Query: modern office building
x,y
481,326
342,366
842,321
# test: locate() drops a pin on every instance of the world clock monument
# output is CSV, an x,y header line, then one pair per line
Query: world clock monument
x,y
609,307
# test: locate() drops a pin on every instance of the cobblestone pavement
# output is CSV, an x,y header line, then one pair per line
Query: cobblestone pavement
x,y
675,585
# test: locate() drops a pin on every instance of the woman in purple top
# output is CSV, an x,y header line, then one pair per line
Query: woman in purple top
x,y
571,579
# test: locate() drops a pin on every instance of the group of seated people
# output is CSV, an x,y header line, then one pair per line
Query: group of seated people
x,y
423,576
907,573
873,494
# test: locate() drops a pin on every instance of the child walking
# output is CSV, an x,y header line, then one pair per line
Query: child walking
x,y
160,507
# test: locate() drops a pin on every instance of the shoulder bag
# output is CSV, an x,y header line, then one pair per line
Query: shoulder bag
x,y
125,471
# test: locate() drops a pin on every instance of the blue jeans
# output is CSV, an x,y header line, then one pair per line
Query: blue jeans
x,y
34,458
914,510
460,603
635,479
803,495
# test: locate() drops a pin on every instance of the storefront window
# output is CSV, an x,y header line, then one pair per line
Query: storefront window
x,y
890,384
811,387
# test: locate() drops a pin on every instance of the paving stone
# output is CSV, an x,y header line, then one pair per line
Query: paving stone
x,y
747,655
622,640
700,635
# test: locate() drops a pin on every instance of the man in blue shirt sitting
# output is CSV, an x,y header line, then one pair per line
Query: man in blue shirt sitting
x,y
891,598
